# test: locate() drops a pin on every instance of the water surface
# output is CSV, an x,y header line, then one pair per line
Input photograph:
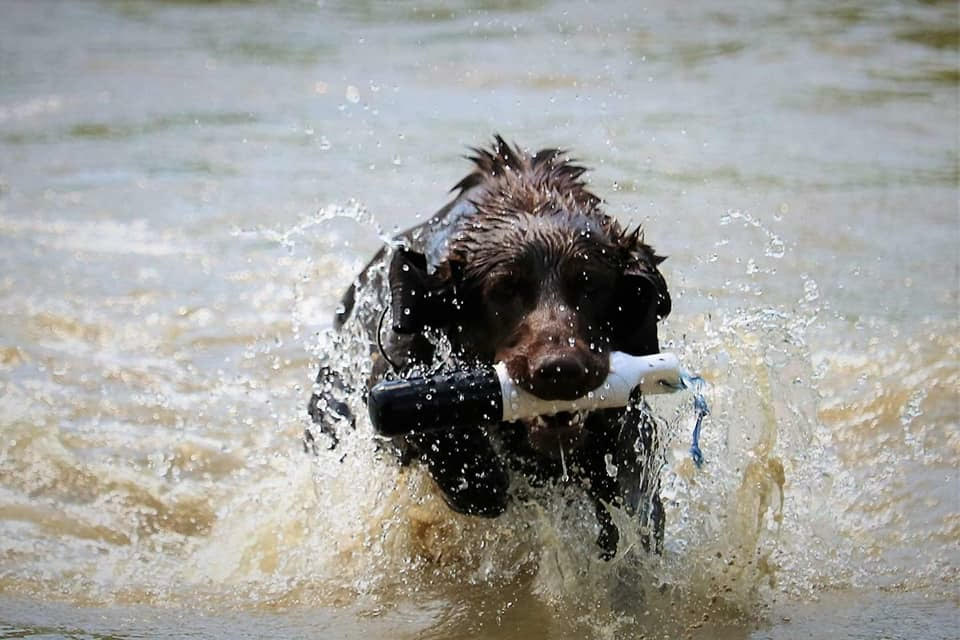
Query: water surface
x,y
186,188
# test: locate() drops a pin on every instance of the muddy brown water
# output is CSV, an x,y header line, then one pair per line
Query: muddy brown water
x,y
186,188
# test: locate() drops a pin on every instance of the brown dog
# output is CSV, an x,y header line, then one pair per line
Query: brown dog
x,y
522,267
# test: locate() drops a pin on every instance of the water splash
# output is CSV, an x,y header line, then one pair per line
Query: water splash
x,y
218,497
775,247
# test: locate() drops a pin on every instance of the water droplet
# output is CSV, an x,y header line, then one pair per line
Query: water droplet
x,y
775,249
610,467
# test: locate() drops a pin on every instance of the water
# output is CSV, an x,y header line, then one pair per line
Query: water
x,y
186,188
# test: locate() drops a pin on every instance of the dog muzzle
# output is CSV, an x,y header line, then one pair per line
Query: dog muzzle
x,y
487,395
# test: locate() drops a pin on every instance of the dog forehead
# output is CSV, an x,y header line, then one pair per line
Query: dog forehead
x,y
536,243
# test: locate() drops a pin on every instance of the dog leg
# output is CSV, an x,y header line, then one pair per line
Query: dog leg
x,y
467,470
638,465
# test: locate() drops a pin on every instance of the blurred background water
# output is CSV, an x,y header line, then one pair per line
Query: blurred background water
x,y
187,187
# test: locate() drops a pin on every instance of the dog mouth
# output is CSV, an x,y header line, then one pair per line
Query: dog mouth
x,y
551,434
564,421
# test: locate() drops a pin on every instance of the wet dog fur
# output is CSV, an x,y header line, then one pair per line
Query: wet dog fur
x,y
524,267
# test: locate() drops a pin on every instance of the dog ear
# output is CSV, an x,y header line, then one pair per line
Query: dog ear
x,y
642,301
419,299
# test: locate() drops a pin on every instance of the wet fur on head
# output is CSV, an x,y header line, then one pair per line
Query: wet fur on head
x,y
534,209
515,187
517,181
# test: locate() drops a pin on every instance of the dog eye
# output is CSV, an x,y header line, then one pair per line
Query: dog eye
x,y
591,290
500,292
592,285
504,290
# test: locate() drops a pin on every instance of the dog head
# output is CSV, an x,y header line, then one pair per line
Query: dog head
x,y
538,278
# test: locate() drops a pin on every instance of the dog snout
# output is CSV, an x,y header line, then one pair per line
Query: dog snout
x,y
564,375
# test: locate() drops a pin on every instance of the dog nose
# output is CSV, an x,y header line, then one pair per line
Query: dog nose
x,y
560,377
